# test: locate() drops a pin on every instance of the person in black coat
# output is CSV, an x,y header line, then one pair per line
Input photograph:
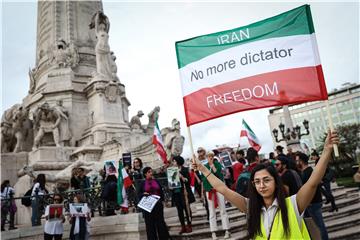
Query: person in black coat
x,y
109,194
182,197
156,228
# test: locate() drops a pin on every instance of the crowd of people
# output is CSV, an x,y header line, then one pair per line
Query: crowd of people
x,y
278,190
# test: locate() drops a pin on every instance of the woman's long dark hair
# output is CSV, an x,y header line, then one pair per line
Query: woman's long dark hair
x,y
41,180
4,185
256,202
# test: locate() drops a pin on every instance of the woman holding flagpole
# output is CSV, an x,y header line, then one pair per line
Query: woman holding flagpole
x,y
270,214
214,198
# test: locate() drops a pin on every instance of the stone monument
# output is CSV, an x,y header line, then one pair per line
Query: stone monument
x,y
76,111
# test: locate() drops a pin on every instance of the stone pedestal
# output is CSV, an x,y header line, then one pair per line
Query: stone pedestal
x,y
10,165
50,158
107,112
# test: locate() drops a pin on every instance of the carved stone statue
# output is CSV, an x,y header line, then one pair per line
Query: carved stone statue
x,y
153,116
104,62
7,133
20,116
173,141
114,67
65,134
15,127
47,120
59,54
32,80
73,55
64,55
135,122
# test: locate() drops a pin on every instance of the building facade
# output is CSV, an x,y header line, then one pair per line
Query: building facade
x,y
344,106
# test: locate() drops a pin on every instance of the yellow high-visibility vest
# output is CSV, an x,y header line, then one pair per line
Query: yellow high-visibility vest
x,y
277,230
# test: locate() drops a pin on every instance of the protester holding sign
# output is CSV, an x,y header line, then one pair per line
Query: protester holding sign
x,y
79,216
54,217
156,228
267,206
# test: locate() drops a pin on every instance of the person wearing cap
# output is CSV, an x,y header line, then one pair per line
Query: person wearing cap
x,y
214,198
183,196
156,228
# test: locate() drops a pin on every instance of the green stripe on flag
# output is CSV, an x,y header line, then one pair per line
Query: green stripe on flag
x,y
253,136
294,22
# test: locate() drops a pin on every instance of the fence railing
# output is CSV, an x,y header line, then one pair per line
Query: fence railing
x,y
92,197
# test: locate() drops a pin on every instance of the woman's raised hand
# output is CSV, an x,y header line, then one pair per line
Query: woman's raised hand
x,y
331,139
196,164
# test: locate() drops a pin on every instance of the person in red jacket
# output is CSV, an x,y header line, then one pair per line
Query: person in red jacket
x,y
239,166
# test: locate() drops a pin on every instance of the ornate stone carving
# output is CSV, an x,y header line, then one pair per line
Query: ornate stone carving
x,y
64,55
135,122
173,141
15,127
32,86
65,135
114,67
153,116
73,55
104,61
112,90
47,120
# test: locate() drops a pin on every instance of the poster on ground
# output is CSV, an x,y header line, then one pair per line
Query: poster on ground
x,y
268,63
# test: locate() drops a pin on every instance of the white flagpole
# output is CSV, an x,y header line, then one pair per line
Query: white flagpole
x,y
191,143
336,150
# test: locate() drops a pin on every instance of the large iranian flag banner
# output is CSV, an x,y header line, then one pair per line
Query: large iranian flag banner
x,y
268,63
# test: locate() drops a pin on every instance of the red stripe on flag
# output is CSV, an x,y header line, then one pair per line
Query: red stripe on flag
x,y
253,144
160,149
294,86
243,133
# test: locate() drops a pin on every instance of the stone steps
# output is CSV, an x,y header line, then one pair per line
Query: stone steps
x,y
343,224
346,234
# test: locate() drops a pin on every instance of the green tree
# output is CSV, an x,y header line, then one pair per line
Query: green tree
x,y
349,140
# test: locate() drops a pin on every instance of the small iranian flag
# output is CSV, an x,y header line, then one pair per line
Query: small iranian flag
x,y
158,142
247,132
123,183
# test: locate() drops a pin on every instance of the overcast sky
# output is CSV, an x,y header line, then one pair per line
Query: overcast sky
x,y
143,36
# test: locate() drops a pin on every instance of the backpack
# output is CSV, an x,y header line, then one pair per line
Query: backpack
x,y
26,200
242,183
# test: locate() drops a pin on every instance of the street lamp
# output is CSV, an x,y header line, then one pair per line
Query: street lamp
x,y
294,134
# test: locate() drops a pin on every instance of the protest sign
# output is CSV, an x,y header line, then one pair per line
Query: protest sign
x,y
272,62
173,177
110,167
78,209
225,159
55,212
126,158
148,202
